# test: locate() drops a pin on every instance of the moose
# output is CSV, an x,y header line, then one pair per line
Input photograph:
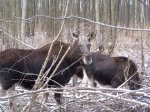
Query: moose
x,y
20,66
108,70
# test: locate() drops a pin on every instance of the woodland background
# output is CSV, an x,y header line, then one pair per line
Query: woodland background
x,y
122,27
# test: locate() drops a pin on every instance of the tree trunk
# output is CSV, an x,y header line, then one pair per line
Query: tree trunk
x,y
24,5
97,27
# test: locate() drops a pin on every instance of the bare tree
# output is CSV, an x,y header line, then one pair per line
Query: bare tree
x,y
24,9
97,27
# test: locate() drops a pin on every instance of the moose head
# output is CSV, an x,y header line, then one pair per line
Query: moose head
x,y
84,43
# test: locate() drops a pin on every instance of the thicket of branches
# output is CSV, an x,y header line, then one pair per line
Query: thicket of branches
x,y
23,21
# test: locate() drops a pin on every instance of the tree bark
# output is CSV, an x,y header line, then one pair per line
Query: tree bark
x,y
24,5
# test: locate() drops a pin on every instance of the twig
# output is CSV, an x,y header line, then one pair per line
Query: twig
x,y
100,23
17,39
74,89
56,68
111,26
54,61
128,79
118,98
2,109
111,110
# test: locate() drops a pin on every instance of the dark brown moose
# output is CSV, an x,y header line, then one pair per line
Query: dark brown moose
x,y
112,71
20,66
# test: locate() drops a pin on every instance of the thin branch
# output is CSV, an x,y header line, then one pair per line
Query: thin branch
x,y
127,80
69,90
111,26
100,23
56,68
118,98
10,36
141,1
1,107
54,62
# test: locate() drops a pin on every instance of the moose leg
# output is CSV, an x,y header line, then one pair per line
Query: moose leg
x,y
74,80
85,80
2,92
58,98
5,85
116,82
12,102
88,79
91,81
44,100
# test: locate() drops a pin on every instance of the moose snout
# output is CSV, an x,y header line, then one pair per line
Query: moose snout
x,y
87,59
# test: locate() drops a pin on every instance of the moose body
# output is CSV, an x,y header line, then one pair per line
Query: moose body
x,y
17,64
112,71
23,66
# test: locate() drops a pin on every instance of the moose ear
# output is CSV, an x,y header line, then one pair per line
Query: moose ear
x,y
76,34
92,35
